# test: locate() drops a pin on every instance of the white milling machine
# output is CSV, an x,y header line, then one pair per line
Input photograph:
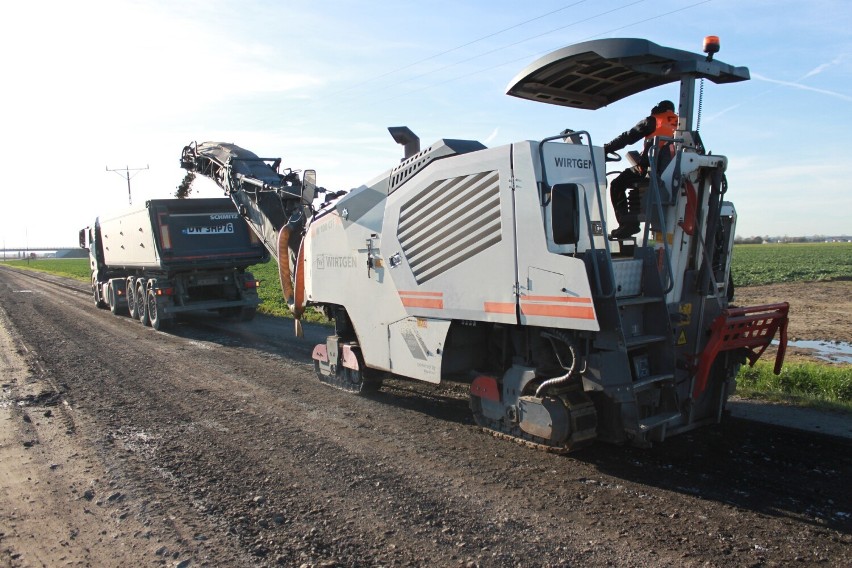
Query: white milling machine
x,y
492,265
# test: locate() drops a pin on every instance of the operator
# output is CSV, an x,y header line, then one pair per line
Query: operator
x,y
661,122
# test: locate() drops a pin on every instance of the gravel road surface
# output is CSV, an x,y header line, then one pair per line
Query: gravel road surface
x,y
215,445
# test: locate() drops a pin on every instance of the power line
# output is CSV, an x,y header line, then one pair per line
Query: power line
x,y
409,79
127,171
529,39
436,55
527,58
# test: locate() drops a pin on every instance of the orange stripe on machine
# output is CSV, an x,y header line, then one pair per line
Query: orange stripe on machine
x,y
429,300
547,306
558,311
500,307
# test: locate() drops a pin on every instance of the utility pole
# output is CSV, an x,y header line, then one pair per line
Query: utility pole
x,y
127,171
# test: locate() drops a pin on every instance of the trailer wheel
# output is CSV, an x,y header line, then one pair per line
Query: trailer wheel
x,y
154,315
130,290
113,301
141,309
98,302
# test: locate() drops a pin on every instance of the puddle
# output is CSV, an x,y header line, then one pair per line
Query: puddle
x,y
832,351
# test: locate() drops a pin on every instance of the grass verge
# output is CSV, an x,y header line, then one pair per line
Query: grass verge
x,y
827,387
273,298
76,268
269,291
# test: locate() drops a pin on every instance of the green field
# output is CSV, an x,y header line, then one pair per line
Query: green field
x,y
791,262
77,268
752,265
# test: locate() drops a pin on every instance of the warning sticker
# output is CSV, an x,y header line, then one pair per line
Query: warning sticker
x,y
685,311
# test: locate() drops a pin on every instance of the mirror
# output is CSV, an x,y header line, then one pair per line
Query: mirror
x,y
309,186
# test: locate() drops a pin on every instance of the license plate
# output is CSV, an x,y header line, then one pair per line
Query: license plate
x,y
224,229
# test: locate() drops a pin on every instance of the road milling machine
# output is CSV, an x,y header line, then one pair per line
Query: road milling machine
x,y
492,265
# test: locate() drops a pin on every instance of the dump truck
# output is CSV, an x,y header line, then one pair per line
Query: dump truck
x,y
174,256
494,266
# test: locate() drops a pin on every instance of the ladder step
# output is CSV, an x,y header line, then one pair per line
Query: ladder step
x,y
657,420
636,300
651,381
641,340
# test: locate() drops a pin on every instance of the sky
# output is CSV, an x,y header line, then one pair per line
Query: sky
x,y
93,86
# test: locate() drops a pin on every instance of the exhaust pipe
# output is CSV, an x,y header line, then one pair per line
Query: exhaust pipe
x,y
409,140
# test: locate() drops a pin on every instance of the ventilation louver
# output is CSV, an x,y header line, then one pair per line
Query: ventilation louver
x,y
449,222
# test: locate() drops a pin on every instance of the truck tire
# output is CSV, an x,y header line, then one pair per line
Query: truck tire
x,y
154,316
100,304
112,299
141,303
247,313
130,288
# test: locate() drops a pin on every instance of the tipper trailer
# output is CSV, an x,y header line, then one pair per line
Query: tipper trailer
x,y
493,264
174,256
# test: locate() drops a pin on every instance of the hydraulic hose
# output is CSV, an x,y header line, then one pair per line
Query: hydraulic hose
x,y
284,265
294,298
562,379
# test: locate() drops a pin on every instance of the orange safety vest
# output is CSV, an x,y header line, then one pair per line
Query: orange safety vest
x,y
666,125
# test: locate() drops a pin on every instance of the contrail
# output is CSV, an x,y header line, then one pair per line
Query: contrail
x,y
820,68
802,87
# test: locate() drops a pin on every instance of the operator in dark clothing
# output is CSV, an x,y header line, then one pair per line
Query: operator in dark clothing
x,y
661,122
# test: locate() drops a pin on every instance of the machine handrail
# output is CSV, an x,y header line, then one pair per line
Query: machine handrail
x,y
655,198
545,186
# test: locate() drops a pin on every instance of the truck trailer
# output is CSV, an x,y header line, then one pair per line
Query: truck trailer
x,y
495,265
174,256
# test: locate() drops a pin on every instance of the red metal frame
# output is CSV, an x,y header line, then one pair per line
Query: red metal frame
x,y
752,329
485,387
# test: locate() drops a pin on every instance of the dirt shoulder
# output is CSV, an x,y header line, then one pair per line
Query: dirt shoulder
x,y
818,310
58,505
69,495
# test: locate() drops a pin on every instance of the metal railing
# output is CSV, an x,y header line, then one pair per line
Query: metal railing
x,y
544,188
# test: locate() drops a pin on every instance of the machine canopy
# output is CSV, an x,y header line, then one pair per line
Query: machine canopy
x,y
593,74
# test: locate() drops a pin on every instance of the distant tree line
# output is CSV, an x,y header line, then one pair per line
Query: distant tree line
x,y
785,239
748,241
